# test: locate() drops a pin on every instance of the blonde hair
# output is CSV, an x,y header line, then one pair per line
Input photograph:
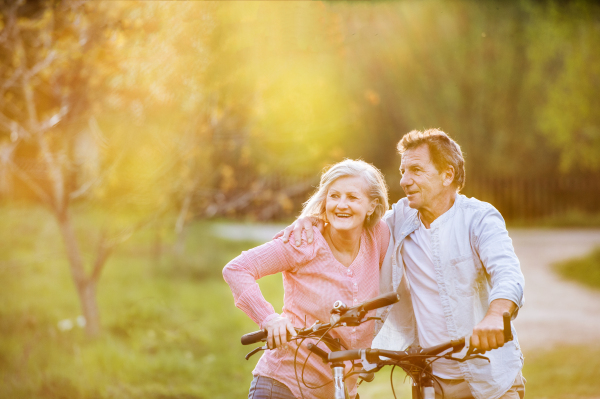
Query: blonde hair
x,y
376,188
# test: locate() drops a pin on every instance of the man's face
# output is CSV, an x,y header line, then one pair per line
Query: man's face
x,y
421,181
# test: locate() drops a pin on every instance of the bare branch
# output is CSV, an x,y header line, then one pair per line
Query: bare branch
x,y
54,119
37,68
97,132
14,127
32,184
82,190
126,233
11,82
104,250
11,18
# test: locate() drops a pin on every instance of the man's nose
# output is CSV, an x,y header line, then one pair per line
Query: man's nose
x,y
404,180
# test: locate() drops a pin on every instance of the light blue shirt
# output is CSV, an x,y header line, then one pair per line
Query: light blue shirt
x,y
475,263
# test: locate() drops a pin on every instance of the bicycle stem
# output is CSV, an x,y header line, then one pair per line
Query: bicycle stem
x,y
338,380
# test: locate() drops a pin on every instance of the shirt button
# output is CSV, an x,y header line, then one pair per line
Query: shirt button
x,y
355,284
355,300
349,272
354,329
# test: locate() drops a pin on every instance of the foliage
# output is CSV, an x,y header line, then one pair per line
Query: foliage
x,y
562,49
215,101
585,270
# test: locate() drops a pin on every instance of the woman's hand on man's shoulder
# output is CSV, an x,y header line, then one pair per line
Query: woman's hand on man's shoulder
x,y
294,230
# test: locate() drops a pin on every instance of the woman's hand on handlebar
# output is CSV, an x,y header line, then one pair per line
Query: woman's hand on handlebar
x,y
277,329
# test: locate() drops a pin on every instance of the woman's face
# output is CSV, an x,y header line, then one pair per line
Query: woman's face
x,y
347,204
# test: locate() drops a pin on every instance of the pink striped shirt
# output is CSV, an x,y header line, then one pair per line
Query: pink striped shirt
x,y
313,280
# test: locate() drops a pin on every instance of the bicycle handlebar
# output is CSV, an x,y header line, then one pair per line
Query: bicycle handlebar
x,y
381,301
357,311
372,355
507,329
319,352
254,337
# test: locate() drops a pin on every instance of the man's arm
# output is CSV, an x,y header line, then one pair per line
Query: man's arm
x,y
497,254
295,229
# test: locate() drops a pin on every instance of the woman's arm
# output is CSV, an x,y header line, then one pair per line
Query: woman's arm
x,y
241,275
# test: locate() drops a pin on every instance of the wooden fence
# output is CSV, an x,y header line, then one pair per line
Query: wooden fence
x,y
530,199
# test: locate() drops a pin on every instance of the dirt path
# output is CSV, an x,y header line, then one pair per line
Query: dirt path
x,y
555,312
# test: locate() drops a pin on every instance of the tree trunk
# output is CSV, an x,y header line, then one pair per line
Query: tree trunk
x,y
180,225
89,306
86,287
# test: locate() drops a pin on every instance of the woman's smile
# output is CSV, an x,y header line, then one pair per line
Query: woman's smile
x,y
348,204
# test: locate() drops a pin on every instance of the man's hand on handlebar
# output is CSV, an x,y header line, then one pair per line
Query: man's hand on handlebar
x,y
295,230
277,329
489,333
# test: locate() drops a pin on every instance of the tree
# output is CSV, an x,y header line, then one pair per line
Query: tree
x,y
56,60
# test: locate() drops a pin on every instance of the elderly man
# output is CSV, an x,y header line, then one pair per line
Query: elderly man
x,y
452,261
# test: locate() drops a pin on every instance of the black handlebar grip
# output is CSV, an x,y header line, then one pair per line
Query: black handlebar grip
x,y
253,337
318,351
507,330
340,356
381,301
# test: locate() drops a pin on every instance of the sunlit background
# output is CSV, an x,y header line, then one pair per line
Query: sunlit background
x,y
145,144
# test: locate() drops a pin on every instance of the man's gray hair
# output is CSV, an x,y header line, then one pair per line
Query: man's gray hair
x,y
444,151
376,188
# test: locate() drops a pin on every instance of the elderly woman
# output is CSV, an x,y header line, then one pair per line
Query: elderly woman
x,y
342,263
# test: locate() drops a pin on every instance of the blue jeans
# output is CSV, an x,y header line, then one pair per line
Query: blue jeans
x,y
268,388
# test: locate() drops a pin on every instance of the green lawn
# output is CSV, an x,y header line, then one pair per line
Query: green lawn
x,y
170,327
584,270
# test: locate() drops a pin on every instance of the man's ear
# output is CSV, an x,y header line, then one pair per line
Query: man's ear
x,y
448,176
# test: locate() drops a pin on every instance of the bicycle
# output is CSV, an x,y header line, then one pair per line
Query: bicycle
x,y
414,361
341,316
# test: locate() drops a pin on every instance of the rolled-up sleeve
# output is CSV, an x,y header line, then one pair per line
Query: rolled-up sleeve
x,y
243,271
496,252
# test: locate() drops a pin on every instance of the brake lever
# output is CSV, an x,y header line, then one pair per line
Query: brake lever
x,y
474,351
467,357
256,350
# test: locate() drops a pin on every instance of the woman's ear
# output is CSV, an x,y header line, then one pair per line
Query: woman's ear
x,y
374,204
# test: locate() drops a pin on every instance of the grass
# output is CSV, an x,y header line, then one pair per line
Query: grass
x,y
569,219
170,327
585,270
566,373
